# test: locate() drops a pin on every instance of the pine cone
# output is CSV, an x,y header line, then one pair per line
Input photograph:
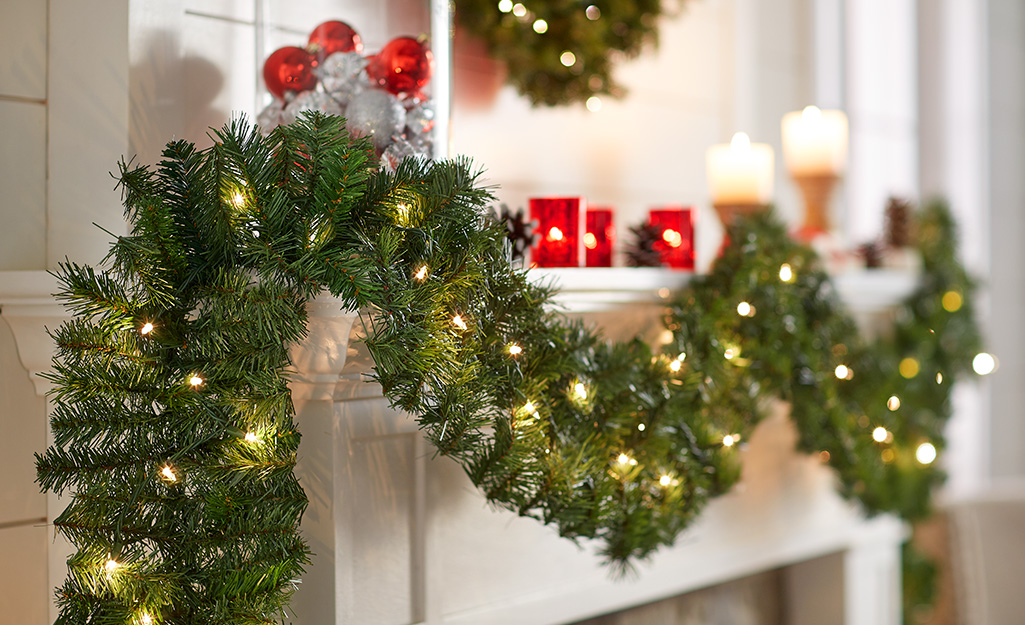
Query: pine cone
x,y
519,231
642,250
872,253
898,223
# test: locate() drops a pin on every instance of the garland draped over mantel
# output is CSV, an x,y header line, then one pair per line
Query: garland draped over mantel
x,y
174,429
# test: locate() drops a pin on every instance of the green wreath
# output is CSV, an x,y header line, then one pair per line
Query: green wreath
x,y
562,51
173,425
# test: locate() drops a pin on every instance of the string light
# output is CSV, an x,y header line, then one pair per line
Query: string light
x,y
252,438
238,200
729,440
529,408
672,237
592,12
744,309
675,366
939,378
146,328
984,364
421,273
145,619
593,104
458,322
786,273
555,234
195,380
952,301
909,368
730,353
893,403
580,390
519,10
567,58
926,453
515,350
168,473
111,565
664,293
880,434
505,6
626,460
665,480
540,26
641,427
590,241
843,372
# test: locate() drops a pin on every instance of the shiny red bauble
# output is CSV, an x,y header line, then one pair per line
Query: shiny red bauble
x,y
333,36
404,65
289,69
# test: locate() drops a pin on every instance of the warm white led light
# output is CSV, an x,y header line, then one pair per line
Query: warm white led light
x,y
641,427
421,273
252,438
519,10
567,58
593,104
111,565
505,6
146,328
580,390
195,380
880,434
515,349
744,309
842,372
623,459
675,366
984,364
458,322
893,403
168,474
665,480
926,453
786,274
540,27
728,440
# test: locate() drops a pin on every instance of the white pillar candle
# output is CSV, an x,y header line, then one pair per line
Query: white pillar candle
x,y
815,142
741,172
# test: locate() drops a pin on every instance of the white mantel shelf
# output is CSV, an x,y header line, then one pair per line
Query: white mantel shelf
x,y
404,539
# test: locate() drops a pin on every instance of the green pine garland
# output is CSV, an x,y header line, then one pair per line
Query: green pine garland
x,y
174,430
597,33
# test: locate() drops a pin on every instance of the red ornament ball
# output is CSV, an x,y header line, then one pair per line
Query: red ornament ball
x,y
331,37
403,65
289,69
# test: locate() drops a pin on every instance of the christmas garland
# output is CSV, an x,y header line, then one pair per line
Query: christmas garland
x,y
562,51
174,431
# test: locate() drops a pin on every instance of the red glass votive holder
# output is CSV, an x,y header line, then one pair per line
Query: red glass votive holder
x,y
561,231
676,236
599,238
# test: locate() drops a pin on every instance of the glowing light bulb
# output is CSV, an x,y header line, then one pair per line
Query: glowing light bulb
x,y
168,474
641,427
729,440
665,480
515,350
146,328
195,380
111,566
672,237
145,619
926,453
252,438
555,234
519,10
567,58
786,273
744,309
458,322
664,293
238,200
623,459
952,301
592,12
593,104
675,366
505,6
580,390
939,378
421,273
842,372
540,27
729,353
529,407
984,364
590,241
908,368
880,434
893,403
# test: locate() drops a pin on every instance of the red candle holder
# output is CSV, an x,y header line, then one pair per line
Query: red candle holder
x,y
599,238
676,235
561,229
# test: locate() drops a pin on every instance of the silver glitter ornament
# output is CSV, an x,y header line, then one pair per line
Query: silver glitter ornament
x,y
270,117
377,114
310,101
342,75
420,119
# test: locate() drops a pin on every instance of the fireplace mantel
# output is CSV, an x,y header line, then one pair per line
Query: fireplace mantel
x,y
402,538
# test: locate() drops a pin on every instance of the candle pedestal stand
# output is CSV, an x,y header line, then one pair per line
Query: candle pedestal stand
x,y
816,190
728,211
